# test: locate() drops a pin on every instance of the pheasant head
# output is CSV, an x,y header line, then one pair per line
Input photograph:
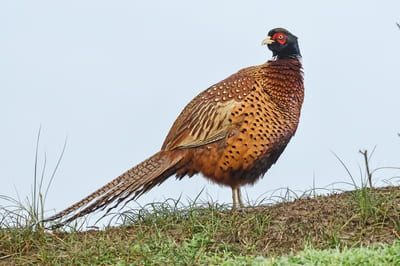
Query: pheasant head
x,y
282,43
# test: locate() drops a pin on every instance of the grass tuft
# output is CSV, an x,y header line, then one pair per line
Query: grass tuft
x,y
289,227
371,203
28,213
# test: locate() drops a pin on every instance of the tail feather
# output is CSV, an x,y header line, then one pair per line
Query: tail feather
x,y
133,183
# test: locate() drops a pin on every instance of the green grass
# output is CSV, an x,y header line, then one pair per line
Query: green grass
x,y
30,210
359,227
373,255
171,233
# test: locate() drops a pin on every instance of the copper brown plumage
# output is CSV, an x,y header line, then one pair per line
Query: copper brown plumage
x,y
231,133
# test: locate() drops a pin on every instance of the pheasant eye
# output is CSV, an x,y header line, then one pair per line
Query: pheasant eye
x,y
280,37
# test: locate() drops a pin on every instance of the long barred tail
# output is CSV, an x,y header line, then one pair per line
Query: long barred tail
x,y
131,184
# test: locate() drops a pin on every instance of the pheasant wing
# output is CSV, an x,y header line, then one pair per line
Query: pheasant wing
x,y
206,118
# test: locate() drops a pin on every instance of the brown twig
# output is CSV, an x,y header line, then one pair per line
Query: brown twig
x,y
5,256
369,174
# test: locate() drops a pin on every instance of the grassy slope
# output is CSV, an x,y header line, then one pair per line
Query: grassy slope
x,y
214,234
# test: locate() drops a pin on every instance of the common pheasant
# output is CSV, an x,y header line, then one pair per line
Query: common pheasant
x,y
231,133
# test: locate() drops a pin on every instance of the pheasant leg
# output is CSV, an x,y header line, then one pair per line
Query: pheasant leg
x,y
237,198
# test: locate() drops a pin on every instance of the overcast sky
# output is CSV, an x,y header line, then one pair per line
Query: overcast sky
x,y
112,76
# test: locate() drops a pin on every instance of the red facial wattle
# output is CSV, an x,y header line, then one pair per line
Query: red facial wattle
x,y
280,37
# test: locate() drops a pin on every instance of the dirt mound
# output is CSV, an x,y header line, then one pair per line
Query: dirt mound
x,y
353,218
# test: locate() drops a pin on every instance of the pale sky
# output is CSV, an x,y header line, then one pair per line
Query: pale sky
x,y
112,76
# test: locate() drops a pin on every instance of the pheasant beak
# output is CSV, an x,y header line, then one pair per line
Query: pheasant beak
x,y
267,40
